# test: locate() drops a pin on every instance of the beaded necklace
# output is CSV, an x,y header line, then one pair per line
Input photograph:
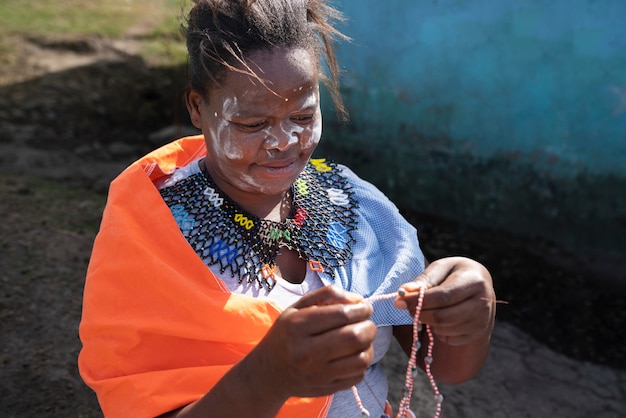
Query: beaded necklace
x,y
319,228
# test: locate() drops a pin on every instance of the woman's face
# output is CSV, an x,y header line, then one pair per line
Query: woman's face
x,y
260,137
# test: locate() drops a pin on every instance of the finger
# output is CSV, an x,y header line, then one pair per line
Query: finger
x,y
449,316
338,358
316,319
352,367
436,273
455,305
348,371
455,298
327,295
458,324
458,335
433,275
460,286
348,340
455,340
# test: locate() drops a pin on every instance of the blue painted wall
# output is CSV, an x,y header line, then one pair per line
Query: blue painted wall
x,y
510,114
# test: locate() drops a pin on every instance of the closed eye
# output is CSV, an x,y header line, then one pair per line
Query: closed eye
x,y
302,119
251,127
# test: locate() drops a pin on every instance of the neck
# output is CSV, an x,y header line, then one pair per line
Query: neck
x,y
278,211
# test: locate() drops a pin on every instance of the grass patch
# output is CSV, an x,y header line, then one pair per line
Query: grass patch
x,y
164,52
166,42
156,21
110,18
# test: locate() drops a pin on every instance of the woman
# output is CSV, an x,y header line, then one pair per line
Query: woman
x,y
232,272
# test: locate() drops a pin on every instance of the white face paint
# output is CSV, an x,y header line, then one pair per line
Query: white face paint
x,y
316,134
288,132
260,139
315,130
221,136
294,132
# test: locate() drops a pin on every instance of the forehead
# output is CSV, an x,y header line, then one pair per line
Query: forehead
x,y
280,73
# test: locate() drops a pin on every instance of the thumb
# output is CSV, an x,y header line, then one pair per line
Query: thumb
x,y
432,276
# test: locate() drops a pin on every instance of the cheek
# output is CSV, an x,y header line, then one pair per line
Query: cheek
x,y
311,135
224,143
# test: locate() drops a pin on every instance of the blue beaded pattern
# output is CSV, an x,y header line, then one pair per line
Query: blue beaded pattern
x,y
320,227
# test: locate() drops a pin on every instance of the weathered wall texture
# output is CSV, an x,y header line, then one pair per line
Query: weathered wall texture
x,y
509,114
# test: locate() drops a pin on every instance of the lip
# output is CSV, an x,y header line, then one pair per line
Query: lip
x,y
278,168
279,164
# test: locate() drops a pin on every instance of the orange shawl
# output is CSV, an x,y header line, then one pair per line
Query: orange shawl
x,y
158,328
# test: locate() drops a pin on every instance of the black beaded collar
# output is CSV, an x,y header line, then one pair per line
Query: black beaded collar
x,y
320,226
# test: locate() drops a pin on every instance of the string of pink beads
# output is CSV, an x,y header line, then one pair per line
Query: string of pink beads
x,y
411,370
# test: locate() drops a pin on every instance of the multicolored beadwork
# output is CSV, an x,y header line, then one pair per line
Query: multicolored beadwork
x,y
319,228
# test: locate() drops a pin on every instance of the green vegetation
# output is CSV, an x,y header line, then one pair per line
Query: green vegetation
x,y
156,22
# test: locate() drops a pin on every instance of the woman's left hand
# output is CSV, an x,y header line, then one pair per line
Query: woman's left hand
x,y
459,301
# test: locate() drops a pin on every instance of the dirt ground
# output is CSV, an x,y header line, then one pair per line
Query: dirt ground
x,y
67,128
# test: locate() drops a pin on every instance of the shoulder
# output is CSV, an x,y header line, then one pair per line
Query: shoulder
x,y
330,173
356,180
369,197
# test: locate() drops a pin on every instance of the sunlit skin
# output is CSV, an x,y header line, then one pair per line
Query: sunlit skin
x,y
259,136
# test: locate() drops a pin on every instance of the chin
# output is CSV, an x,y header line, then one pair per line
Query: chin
x,y
263,184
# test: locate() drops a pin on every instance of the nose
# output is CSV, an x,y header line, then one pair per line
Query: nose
x,y
282,137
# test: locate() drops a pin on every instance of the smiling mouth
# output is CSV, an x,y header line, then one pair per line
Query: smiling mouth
x,y
279,165
280,169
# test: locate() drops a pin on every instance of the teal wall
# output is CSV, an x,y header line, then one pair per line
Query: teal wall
x,y
508,114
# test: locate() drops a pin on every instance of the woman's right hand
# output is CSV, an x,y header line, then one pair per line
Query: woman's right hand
x,y
319,345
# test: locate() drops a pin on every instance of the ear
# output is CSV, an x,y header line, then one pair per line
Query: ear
x,y
194,101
